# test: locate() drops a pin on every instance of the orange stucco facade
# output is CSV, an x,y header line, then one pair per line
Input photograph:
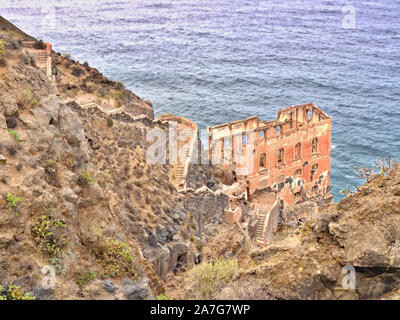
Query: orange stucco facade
x,y
290,156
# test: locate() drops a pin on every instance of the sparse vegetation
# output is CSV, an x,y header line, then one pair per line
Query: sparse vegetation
x,y
82,277
382,164
2,294
76,71
52,176
199,247
29,99
13,202
162,297
116,259
85,178
90,86
209,278
71,163
14,134
49,233
2,47
14,293
105,179
39,45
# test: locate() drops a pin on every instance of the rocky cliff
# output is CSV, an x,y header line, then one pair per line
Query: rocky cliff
x,y
82,214
306,262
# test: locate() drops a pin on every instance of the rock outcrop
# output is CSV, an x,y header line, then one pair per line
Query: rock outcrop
x,y
306,262
80,207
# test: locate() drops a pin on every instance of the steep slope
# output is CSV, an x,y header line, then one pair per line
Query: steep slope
x,y
361,231
82,213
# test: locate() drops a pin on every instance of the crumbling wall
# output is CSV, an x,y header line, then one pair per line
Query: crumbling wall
x,y
289,156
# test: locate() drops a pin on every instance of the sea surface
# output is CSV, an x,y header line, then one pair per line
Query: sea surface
x,y
216,61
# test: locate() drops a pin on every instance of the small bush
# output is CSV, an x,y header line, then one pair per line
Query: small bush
x,y
28,100
14,134
14,293
209,278
85,179
3,294
49,233
71,163
39,45
162,297
13,202
52,175
2,47
90,86
76,71
83,277
116,259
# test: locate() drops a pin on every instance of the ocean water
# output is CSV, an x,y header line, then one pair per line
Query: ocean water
x,y
216,61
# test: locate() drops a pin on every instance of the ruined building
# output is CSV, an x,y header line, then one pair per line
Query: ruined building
x,y
289,156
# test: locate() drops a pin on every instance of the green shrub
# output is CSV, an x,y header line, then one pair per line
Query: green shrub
x,y
83,277
85,178
199,247
209,278
12,203
14,293
71,163
49,233
52,174
2,47
90,86
29,99
14,134
3,294
116,259
162,297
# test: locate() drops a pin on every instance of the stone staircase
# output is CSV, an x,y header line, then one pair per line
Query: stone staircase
x,y
184,157
262,217
40,56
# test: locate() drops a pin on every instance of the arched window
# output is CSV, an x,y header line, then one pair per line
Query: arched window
x,y
263,159
280,155
261,134
297,151
314,145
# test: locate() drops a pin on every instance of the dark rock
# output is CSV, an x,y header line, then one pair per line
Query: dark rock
x,y
135,290
109,286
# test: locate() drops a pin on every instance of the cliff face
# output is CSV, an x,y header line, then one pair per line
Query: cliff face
x,y
77,196
306,262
